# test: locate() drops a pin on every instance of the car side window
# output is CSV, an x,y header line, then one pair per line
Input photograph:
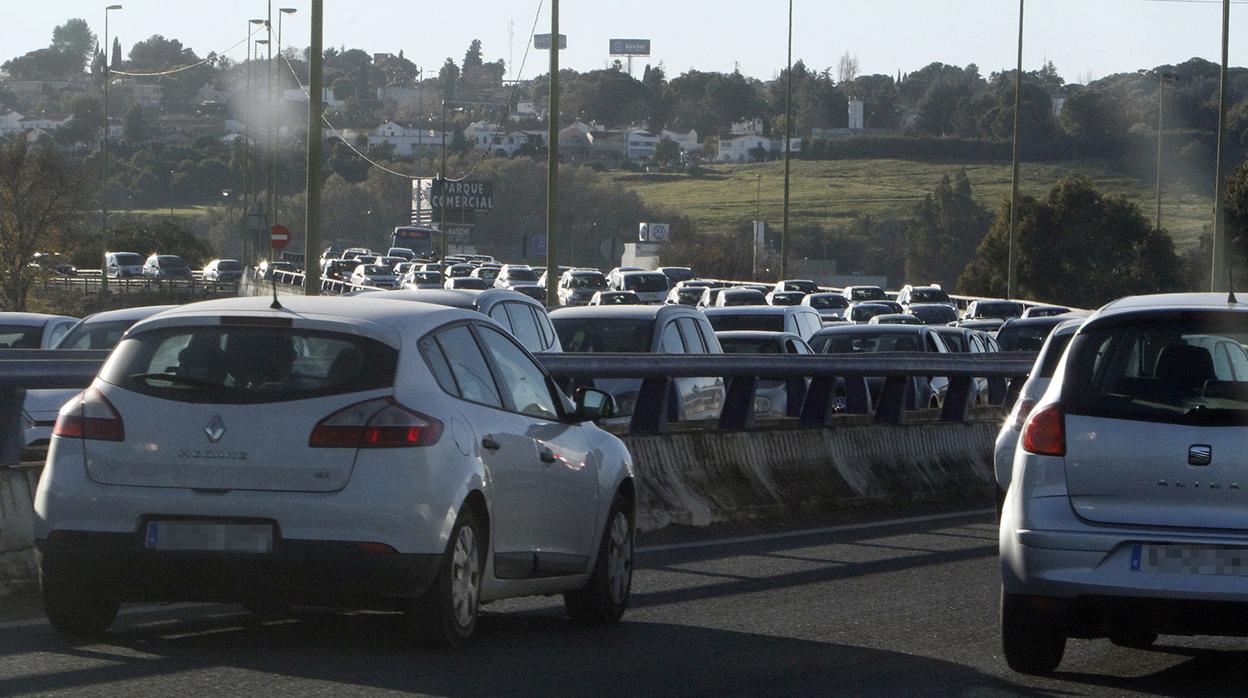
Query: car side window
x,y
693,338
468,366
523,380
57,332
670,341
524,326
1239,360
499,314
548,330
438,365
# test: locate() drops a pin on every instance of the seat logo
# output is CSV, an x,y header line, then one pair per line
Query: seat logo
x,y
215,429
1199,454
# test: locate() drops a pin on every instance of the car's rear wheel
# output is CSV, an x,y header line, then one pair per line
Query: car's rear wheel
x,y
76,607
1030,646
605,597
447,614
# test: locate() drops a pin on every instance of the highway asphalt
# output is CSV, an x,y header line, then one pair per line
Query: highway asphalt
x,y
853,608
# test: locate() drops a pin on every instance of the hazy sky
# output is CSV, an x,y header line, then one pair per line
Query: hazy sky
x,y
1097,37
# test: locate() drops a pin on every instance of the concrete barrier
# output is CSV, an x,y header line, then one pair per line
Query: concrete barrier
x,y
700,477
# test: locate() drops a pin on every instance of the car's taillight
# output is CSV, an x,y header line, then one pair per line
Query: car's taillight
x,y
1018,416
379,423
89,416
1045,432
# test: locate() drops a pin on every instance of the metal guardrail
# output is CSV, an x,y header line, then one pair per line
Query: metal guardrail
x,y
811,382
296,279
89,280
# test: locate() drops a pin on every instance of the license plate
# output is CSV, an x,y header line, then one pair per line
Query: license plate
x,y
209,536
1189,559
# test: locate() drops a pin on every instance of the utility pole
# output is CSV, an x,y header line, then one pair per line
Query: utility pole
x,y
312,219
104,159
1219,280
1010,287
273,132
788,137
268,122
1162,78
552,164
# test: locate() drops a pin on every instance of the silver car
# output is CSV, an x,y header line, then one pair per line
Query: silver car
x,y
1125,516
336,451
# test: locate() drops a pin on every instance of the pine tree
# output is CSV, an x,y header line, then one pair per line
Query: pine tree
x,y
115,61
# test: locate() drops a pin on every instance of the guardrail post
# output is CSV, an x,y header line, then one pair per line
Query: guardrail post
x,y
738,410
12,438
817,404
650,414
958,399
892,407
795,393
997,388
857,395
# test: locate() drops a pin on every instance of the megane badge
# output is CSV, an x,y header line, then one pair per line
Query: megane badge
x,y
1199,454
215,429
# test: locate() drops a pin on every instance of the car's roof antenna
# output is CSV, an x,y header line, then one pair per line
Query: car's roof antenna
x,y
276,304
1230,286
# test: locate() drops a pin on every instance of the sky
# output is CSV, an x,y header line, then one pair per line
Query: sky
x,y
1083,38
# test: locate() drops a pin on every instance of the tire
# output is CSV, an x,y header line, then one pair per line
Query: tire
x,y
74,606
446,616
1029,646
605,597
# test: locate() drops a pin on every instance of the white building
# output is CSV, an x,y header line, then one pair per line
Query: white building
x,y
406,141
528,111
749,127
10,122
687,141
641,144
43,123
744,148
857,117
327,97
492,139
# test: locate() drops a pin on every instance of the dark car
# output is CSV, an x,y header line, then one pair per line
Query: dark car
x,y
785,297
770,394
933,313
1027,334
831,306
871,339
983,309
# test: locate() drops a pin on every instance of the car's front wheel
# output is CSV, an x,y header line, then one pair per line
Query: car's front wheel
x,y
605,597
447,614
1029,645
75,606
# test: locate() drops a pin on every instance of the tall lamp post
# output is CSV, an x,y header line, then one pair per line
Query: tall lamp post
x,y
1220,278
257,146
1162,78
248,115
273,135
788,148
1018,101
104,157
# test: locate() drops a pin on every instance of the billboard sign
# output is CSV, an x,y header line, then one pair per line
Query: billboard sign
x,y
654,232
630,47
464,195
542,42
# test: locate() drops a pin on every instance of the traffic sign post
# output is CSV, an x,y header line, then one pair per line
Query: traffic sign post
x,y
279,237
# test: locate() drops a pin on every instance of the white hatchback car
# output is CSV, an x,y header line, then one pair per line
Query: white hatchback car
x,y
336,451
1125,517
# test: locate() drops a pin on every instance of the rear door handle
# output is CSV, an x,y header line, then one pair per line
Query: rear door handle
x,y
489,444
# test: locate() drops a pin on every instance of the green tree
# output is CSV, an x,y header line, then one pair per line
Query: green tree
x,y
1235,211
114,61
448,75
944,232
86,120
135,126
1078,247
74,38
667,152
472,58
41,193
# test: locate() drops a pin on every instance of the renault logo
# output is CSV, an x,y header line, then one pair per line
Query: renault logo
x,y
1199,454
215,429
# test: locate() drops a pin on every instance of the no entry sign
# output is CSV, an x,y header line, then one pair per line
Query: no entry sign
x,y
279,236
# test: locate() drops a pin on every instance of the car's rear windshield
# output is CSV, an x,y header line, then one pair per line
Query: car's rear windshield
x,y
248,364
928,295
786,298
522,275
645,283
864,343
745,297
20,336
171,261
618,299
604,334
1190,369
588,281
935,313
827,302
870,293
470,283
95,335
230,265
762,323
1023,337
866,312
801,286
129,260
678,274
746,345
1002,309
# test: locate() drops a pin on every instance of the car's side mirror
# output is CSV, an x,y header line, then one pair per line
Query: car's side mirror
x,y
592,404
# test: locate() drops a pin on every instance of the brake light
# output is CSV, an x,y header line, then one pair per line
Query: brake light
x,y
1018,415
89,416
1045,432
379,423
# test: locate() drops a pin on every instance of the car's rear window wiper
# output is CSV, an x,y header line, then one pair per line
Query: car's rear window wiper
x,y
176,378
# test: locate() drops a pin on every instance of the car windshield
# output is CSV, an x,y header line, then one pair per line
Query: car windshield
x,y
645,283
1023,337
618,299
786,298
762,323
248,364
827,302
470,283
864,343
231,265
1191,369
866,312
95,335
604,334
171,261
588,281
801,286
425,277
748,345
129,260
521,275
934,313
868,293
678,274
20,336
928,295
956,341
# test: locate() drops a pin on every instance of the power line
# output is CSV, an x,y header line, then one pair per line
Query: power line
x,y
212,57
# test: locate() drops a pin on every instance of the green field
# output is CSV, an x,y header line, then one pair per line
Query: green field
x,y
832,193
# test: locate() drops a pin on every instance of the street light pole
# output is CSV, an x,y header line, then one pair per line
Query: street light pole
x,y
104,158
1010,286
1162,78
312,214
257,147
442,187
552,164
273,132
788,137
1220,278
268,122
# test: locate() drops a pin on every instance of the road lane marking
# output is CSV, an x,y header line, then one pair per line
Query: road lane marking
x,y
809,532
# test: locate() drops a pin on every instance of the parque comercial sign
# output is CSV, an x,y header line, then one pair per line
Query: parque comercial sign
x,y
465,195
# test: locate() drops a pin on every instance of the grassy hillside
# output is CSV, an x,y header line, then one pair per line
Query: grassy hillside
x,y
832,193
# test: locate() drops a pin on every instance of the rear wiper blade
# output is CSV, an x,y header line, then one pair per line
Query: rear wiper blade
x,y
175,378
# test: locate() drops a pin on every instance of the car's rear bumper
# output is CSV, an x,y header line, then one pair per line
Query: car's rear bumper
x,y
296,571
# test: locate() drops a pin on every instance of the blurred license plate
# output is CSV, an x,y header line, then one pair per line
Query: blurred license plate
x,y
208,535
1190,559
